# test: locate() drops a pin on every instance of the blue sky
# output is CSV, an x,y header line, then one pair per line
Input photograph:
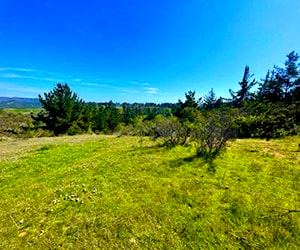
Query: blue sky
x,y
141,50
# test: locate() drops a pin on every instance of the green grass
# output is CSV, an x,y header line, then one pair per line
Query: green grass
x,y
89,192
22,110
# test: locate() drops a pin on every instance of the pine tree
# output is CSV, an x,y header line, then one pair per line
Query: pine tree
x,y
282,84
62,110
243,94
210,101
270,89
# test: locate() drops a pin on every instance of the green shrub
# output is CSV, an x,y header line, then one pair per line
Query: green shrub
x,y
276,121
171,130
211,133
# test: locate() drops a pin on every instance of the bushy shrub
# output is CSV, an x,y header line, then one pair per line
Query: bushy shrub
x,y
139,127
128,130
277,122
171,130
211,133
16,124
144,128
74,129
274,122
248,126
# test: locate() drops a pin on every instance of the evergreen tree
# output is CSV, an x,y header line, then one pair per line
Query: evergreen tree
x,y
100,123
62,110
190,100
189,104
113,116
270,89
282,84
210,101
243,94
288,77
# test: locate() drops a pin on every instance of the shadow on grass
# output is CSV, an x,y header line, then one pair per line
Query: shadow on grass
x,y
181,161
147,149
211,168
202,159
198,160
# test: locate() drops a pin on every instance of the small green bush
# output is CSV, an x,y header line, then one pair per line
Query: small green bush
x,y
171,130
211,133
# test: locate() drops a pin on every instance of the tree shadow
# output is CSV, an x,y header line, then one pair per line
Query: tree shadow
x,y
211,167
147,149
204,159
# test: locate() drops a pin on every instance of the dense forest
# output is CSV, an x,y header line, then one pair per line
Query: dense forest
x,y
269,108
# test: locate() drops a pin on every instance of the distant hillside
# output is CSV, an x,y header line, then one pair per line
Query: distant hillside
x,y
19,102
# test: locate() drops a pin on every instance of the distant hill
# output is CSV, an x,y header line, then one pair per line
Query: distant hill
x,y
19,102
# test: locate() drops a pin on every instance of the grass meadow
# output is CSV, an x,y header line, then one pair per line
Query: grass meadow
x,y
108,192
22,110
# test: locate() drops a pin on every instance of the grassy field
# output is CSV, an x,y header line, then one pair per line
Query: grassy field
x,y
22,110
89,192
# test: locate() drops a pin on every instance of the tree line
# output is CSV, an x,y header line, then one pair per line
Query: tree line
x,y
271,110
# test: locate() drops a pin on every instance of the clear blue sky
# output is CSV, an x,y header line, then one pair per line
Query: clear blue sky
x,y
141,50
